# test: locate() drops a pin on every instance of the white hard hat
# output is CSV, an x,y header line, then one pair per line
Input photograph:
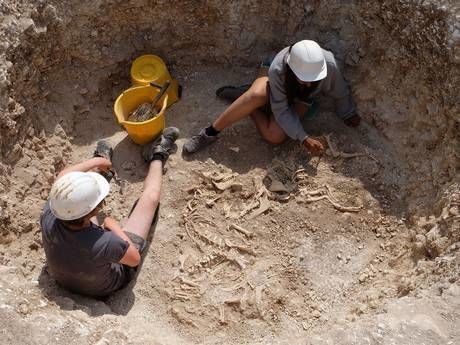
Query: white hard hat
x,y
77,193
307,61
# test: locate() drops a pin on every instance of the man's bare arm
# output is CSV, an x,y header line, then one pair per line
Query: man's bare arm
x,y
132,256
93,164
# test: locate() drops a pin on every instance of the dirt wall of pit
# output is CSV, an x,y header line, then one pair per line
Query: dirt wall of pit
x,y
404,73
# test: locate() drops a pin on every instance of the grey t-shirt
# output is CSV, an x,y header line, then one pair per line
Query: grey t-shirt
x,y
84,261
333,86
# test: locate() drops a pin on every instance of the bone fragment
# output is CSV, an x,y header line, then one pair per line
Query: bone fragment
x,y
222,320
182,318
235,300
189,282
234,257
327,194
258,299
332,151
238,228
264,206
182,260
192,238
211,202
223,185
241,248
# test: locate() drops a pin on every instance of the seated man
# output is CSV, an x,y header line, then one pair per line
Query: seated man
x,y
87,258
277,102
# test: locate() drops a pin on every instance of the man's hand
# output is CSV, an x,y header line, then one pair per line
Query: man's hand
x,y
315,147
111,224
102,164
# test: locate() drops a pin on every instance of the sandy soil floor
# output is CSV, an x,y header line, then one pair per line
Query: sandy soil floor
x,y
230,260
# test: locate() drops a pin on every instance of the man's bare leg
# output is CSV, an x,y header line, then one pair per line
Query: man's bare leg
x,y
140,220
255,97
268,127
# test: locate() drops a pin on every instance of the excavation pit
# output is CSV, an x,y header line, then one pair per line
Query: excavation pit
x,y
302,271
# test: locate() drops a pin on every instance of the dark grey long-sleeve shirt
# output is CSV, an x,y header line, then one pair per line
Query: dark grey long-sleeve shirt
x,y
333,85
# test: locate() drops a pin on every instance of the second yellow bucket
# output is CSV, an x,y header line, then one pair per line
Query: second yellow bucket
x,y
140,132
151,68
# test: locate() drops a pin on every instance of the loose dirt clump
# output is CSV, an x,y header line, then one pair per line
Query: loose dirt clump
x,y
255,244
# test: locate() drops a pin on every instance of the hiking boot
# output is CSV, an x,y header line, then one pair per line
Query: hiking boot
x,y
104,150
231,93
197,142
162,147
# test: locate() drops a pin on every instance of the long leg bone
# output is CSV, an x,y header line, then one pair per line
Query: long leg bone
x,y
238,228
325,193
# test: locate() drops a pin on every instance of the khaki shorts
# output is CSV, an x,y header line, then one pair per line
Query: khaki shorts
x,y
140,244
138,241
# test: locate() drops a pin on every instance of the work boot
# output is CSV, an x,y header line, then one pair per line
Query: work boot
x,y
197,142
353,121
231,93
104,150
162,147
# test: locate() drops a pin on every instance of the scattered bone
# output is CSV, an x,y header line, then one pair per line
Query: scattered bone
x,y
247,233
299,175
281,197
182,297
222,320
212,259
223,185
182,260
190,205
218,268
187,231
210,238
332,151
181,317
222,177
235,287
241,301
210,203
241,248
189,282
325,193
264,206
235,300
248,208
258,299
234,257
256,201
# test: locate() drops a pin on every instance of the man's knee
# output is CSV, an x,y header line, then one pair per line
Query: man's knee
x,y
275,137
257,94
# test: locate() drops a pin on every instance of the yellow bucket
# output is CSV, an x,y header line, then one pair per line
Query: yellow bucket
x,y
140,132
151,68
